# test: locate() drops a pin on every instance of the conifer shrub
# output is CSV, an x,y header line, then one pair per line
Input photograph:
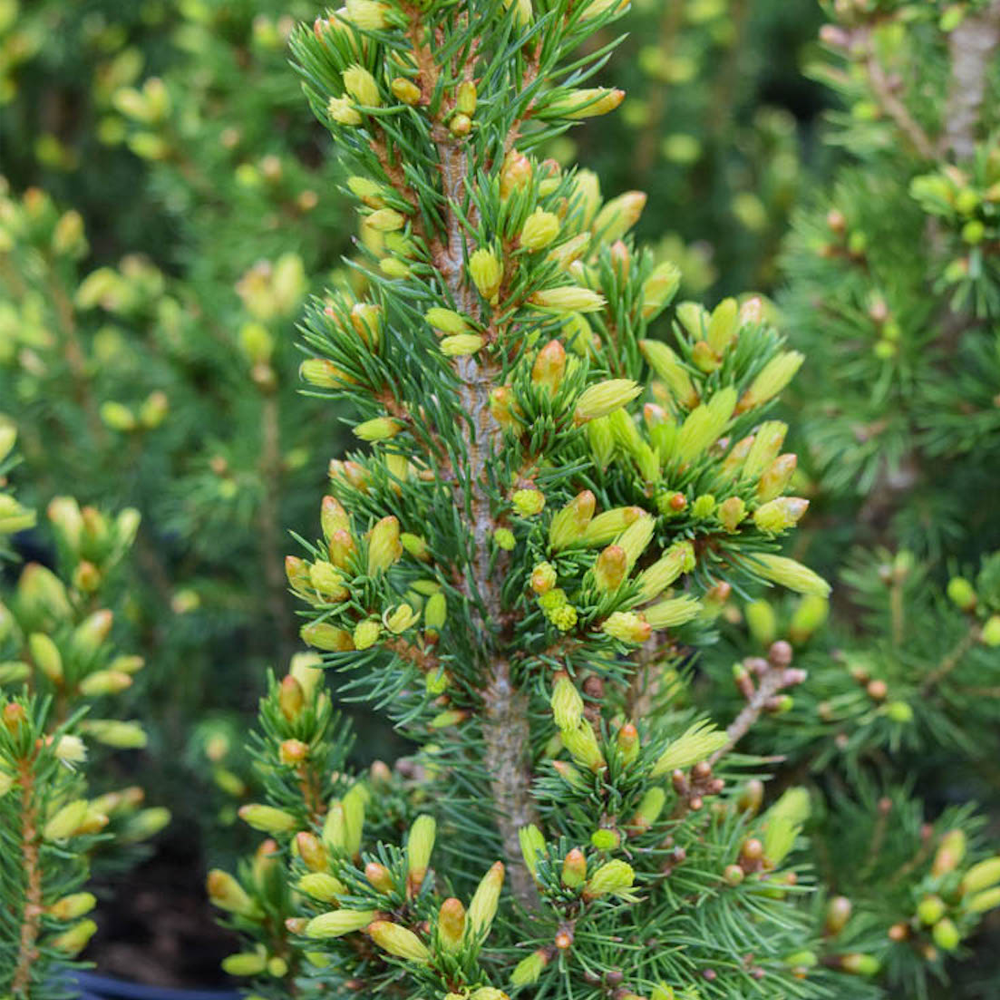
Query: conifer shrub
x,y
148,290
647,756
63,801
553,508
892,275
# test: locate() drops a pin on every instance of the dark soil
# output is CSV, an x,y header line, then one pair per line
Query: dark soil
x,y
156,925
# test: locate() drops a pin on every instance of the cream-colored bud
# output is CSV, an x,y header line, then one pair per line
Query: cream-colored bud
x,y
485,900
626,626
338,923
462,345
398,941
445,320
696,744
659,289
773,377
790,574
668,367
342,111
605,397
486,271
568,298
673,612
539,230
566,703
361,85
618,216
586,103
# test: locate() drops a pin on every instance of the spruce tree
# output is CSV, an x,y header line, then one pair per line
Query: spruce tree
x,y
59,674
892,295
554,507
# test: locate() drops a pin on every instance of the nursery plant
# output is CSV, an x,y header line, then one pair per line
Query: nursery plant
x,y
155,369
891,295
144,343
62,682
557,497
893,282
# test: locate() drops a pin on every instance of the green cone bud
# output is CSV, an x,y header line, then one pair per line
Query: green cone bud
x,y
612,877
980,902
567,705
569,298
696,744
539,230
859,964
529,969
321,886
982,875
46,656
671,613
659,289
771,380
946,935
610,568
451,924
620,214
532,844
574,869
582,744
485,901
570,523
419,846
605,397
723,326
268,819
678,559
486,272
338,923
789,573
930,910
67,821
227,894
74,940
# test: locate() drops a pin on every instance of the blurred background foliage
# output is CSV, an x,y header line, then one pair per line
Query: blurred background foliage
x,y
167,202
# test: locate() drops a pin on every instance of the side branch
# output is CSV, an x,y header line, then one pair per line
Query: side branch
x,y
891,104
770,685
951,661
775,674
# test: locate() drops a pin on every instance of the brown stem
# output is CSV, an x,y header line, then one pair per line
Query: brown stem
x,y
504,720
971,46
508,739
898,612
31,920
951,661
770,684
885,95
981,692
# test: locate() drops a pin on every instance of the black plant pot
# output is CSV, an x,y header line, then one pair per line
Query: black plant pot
x,y
94,987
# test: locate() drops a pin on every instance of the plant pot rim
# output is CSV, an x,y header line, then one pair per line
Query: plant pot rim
x,y
93,986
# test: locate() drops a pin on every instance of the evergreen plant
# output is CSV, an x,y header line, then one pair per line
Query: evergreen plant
x,y
64,683
553,509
